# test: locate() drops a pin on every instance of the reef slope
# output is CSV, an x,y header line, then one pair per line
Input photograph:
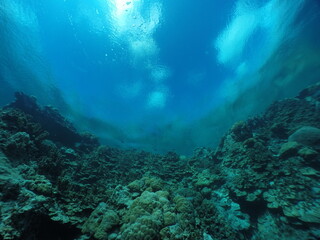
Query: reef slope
x,y
262,182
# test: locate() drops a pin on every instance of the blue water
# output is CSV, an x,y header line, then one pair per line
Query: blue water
x,y
158,75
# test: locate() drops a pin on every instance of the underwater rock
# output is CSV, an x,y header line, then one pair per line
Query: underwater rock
x,y
291,114
309,213
312,92
308,171
241,131
308,136
279,130
307,153
10,180
50,119
271,226
231,211
18,144
40,185
207,237
289,149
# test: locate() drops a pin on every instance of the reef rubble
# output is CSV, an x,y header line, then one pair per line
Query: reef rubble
x,y
262,182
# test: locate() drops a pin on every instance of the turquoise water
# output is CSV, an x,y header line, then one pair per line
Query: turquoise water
x,y
158,75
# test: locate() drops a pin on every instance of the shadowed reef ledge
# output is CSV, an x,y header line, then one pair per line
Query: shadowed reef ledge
x,y
262,181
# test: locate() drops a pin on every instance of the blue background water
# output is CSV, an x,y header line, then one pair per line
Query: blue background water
x,y
158,75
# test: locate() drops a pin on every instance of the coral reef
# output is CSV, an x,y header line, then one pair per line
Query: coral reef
x,y
261,183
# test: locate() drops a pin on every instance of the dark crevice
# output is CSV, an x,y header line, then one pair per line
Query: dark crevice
x,y
42,227
254,210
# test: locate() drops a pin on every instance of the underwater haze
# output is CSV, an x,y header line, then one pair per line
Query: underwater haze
x,y
158,75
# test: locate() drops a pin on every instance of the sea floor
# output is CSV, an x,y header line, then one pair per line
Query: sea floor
x,y
262,182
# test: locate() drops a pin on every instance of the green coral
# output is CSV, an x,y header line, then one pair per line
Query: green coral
x,y
144,218
145,228
101,221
